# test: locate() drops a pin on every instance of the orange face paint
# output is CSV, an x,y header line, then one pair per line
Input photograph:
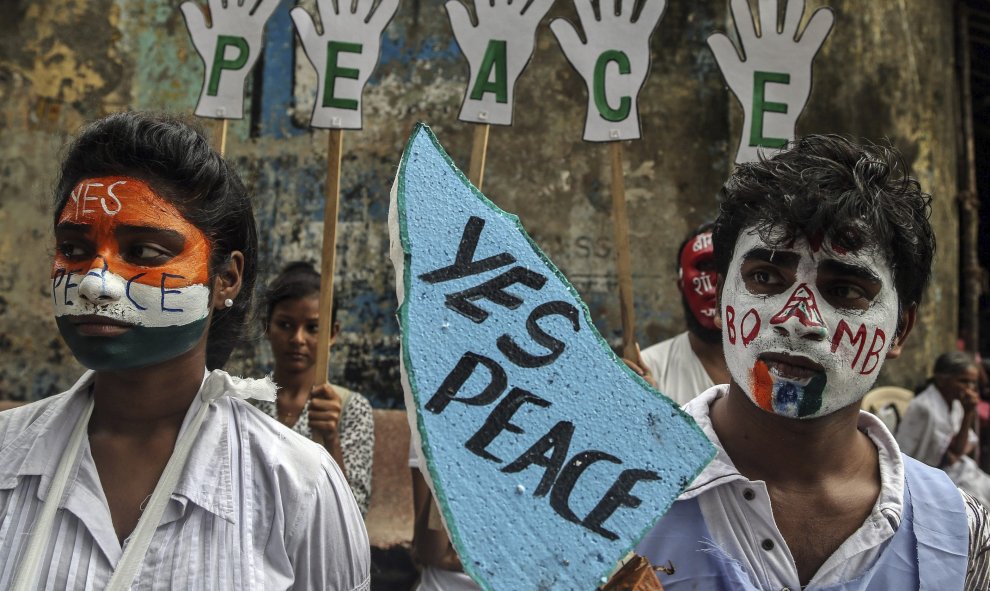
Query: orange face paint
x,y
105,211
762,386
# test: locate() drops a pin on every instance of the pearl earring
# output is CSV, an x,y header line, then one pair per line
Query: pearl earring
x,y
228,303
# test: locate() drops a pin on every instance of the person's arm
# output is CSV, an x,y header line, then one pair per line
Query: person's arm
x,y
357,445
324,421
961,445
430,545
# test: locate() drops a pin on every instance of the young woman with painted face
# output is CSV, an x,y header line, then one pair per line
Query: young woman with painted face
x,y
342,417
939,427
152,468
823,252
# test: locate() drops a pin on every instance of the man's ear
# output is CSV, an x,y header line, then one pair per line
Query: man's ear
x,y
718,301
227,282
904,325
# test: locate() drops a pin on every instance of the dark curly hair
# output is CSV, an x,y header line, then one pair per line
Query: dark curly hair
x,y
174,157
826,186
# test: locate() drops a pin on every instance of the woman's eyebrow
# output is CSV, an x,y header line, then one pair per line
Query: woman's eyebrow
x,y
841,268
72,227
130,230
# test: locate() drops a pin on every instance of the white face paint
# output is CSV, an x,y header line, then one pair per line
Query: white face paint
x,y
805,330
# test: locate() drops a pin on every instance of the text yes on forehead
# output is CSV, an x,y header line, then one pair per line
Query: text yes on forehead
x,y
87,194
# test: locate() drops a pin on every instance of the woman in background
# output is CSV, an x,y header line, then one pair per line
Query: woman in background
x,y
305,404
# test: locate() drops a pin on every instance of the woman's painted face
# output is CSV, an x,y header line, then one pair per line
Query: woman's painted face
x,y
806,328
697,279
130,277
292,333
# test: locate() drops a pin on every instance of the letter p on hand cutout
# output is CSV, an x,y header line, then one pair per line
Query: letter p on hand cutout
x,y
344,55
229,47
614,62
771,75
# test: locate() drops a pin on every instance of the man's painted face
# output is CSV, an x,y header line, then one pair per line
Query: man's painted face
x,y
697,275
130,277
805,328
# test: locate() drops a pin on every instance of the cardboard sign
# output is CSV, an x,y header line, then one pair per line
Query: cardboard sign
x,y
771,73
229,48
548,457
497,49
614,62
344,55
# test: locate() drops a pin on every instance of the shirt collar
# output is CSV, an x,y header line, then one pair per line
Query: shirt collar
x,y
206,478
721,470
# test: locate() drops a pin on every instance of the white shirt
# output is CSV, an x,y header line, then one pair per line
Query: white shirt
x,y
677,370
256,507
928,427
739,517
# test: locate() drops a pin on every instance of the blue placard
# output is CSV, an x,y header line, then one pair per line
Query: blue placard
x,y
549,458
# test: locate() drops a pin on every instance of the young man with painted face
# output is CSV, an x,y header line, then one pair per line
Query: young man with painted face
x,y
823,253
152,469
691,362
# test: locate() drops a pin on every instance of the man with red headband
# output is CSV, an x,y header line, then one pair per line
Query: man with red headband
x,y
691,362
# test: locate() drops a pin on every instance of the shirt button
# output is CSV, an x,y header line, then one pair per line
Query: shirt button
x,y
748,494
767,544
785,589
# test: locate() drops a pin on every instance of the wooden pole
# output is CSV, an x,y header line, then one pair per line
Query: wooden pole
x,y
220,136
335,147
479,150
971,281
624,264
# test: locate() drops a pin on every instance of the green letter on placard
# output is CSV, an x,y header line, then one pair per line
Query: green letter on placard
x,y
334,48
494,58
601,101
221,63
761,105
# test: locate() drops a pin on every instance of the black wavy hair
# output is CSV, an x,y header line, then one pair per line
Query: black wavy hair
x,y
295,281
174,157
827,186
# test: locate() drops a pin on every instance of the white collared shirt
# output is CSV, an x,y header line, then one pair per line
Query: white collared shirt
x,y
256,507
739,517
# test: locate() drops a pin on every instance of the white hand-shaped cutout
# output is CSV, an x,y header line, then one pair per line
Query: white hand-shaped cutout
x,y
614,62
229,48
772,80
344,56
497,50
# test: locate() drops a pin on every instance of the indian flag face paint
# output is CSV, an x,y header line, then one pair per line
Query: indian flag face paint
x,y
130,276
806,328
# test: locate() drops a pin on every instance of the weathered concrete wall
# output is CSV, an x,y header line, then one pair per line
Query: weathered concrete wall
x,y
884,72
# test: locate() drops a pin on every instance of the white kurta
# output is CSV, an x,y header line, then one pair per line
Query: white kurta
x,y
927,429
677,370
256,507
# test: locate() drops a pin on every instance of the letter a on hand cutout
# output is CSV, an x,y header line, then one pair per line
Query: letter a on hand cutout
x,y
229,47
614,61
497,49
771,74
344,55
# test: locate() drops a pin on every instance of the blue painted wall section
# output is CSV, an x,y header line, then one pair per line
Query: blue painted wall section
x,y
276,75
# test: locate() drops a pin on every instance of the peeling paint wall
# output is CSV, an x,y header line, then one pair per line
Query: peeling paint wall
x,y
884,72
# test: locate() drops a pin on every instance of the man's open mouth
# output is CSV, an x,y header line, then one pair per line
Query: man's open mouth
x,y
791,367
